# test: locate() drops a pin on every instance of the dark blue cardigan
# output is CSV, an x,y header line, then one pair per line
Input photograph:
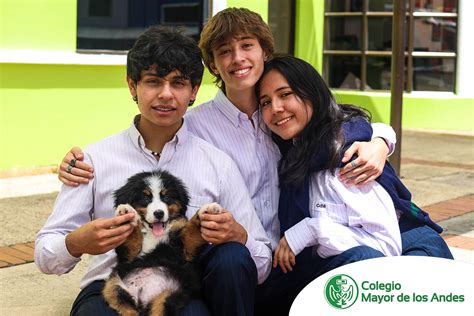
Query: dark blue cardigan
x,y
294,201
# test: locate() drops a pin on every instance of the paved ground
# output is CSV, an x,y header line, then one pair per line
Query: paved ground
x,y
438,169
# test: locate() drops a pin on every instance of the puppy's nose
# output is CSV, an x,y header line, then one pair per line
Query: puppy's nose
x,y
159,214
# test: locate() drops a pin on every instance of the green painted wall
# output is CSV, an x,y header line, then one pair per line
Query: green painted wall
x,y
38,24
260,6
431,111
46,109
309,31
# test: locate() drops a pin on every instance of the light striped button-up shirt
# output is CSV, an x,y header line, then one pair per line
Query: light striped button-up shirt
x,y
346,217
209,174
220,123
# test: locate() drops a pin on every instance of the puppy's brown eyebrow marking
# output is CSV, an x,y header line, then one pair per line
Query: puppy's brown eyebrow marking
x,y
147,192
174,208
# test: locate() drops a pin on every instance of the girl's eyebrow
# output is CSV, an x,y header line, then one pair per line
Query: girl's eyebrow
x,y
276,90
281,88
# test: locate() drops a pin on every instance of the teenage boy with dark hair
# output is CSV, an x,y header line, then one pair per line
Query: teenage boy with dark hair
x,y
164,71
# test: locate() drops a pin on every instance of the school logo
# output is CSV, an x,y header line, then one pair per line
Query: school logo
x,y
341,291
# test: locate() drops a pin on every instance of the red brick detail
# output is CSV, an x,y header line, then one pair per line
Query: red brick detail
x,y
437,163
4,264
16,253
10,259
459,242
450,208
24,248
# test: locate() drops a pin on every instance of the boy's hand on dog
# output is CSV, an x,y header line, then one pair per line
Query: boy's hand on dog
x,y
284,256
123,209
100,235
219,226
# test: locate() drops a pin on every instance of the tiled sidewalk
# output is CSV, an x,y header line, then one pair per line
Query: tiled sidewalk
x,y
24,253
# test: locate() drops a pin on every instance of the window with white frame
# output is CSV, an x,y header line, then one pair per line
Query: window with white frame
x,y
357,48
113,25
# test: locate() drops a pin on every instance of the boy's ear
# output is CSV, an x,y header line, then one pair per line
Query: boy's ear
x,y
214,70
132,86
195,91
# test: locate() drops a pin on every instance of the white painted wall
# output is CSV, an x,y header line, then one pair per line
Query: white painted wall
x,y
218,5
465,62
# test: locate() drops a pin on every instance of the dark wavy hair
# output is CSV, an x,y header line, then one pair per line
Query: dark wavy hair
x,y
168,49
322,132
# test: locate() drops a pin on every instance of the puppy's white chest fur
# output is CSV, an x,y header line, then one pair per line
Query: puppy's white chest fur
x,y
150,241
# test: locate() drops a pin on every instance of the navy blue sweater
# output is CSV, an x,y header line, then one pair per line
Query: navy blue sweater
x,y
294,201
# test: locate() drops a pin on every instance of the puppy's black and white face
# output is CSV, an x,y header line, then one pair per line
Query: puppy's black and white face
x,y
158,197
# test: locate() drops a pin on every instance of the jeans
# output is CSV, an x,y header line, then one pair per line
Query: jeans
x,y
277,293
229,279
422,241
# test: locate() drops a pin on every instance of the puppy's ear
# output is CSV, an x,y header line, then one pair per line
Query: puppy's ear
x,y
129,193
177,189
183,196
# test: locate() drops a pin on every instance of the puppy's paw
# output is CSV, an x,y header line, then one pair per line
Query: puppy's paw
x,y
211,208
123,209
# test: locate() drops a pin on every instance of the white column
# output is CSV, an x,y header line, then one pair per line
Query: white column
x,y
218,5
465,62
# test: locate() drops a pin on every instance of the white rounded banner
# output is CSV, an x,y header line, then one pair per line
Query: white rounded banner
x,y
391,286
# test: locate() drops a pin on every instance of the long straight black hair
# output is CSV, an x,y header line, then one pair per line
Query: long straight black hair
x,y
322,133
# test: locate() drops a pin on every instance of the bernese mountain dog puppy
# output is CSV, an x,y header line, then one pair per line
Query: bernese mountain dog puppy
x,y
155,273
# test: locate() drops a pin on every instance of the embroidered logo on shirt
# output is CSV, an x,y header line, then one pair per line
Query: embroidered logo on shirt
x,y
321,205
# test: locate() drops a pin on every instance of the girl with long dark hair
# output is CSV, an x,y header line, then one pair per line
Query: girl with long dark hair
x,y
317,212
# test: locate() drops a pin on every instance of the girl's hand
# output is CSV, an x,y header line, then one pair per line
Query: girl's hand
x,y
284,256
368,165
73,171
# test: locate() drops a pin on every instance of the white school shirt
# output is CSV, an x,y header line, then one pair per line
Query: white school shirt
x,y
209,174
345,217
220,123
